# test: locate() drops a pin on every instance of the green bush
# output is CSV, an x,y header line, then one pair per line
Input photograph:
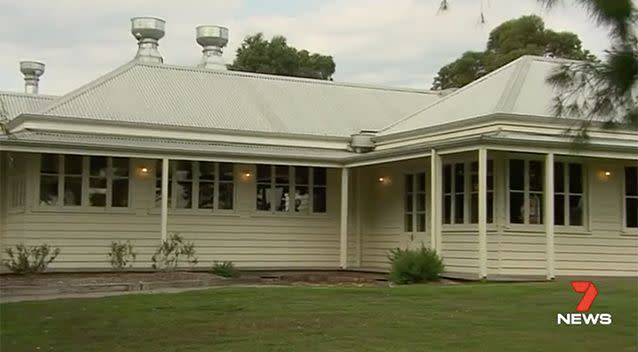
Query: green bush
x,y
414,265
225,269
168,254
28,260
122,255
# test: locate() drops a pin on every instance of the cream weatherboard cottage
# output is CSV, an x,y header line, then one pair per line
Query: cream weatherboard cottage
x,y
280,172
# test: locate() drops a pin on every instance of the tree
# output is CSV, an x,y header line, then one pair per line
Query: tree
x,y
257,54
507,42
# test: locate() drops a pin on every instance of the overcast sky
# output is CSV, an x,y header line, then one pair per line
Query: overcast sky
x,y
389,42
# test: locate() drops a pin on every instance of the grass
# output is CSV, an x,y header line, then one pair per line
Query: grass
x,y
471,317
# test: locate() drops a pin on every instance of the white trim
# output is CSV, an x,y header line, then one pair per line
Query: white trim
x,y
164,217
549,214
434,195
482,211
343,228
359,246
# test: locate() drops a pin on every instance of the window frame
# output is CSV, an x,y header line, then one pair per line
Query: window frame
x,y
292,184
195,183
566,193
414,197
526,190
85,176
467,192
626,229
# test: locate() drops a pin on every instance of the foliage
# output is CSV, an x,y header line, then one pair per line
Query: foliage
x,y
168,254
225,269
413,266
122,255
257,54
28,260
512,39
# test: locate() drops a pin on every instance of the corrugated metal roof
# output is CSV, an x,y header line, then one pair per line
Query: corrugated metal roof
x,y
13,104
149,93
518,88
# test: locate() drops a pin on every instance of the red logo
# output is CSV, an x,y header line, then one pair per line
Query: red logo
x,y
589,294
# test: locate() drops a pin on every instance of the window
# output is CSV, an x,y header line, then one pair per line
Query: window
x,y
16,183
291,189
73,180
197,185
631,197
460,192
525,191
568,194
414,218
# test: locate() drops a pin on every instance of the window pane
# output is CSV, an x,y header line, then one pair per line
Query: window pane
x,y
206,171
206,195
263,197
48,190
120,167
559,177
474,209
72,165
302,175
73,191
226,172
97,166
97,192
49,164
119,194
184,171
408,223
559,210
226,195
458,209
420,182
184,193
302,199
447,209
490,175
535,176
631,181
517,175
263,173
281,198
459,178
319,200
447,178
576,210
490,208
158,184
517,201
420,202
631,210
420,222
408,202
409,181
319,176
282,175
575,178
535,208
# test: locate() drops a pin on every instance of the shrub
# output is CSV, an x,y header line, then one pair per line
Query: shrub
x,y
28,260
413,266
122,255
225,269
168,254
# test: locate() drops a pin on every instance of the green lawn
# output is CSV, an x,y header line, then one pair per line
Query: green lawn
x,y
469,317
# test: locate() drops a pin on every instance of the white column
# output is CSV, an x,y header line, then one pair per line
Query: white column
x,y
343,238
438,202
482,211
358,210
548,212
164,199
434,210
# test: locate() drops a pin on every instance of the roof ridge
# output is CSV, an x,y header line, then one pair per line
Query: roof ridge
x,y
91,85
458,91
288,78
29,95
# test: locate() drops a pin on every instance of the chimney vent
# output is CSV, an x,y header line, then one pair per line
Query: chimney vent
x,y
32,70
148,31
363,142
212,39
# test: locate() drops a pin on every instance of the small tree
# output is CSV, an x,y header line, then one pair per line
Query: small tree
x,y
168,254
28,260
122,255
411,266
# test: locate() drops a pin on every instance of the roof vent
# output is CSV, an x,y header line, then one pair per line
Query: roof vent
x,y
32,70
148,31
212,39
362,142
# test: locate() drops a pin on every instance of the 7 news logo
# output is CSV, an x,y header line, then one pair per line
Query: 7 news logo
x,y
589,291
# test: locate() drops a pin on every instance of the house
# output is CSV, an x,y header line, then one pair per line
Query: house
x,y
280,172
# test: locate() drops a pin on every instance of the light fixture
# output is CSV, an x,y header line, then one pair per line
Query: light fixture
x,y
247,174
381,179
607,173
144,170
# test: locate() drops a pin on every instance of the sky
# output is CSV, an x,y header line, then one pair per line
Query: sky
x,y
387,42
